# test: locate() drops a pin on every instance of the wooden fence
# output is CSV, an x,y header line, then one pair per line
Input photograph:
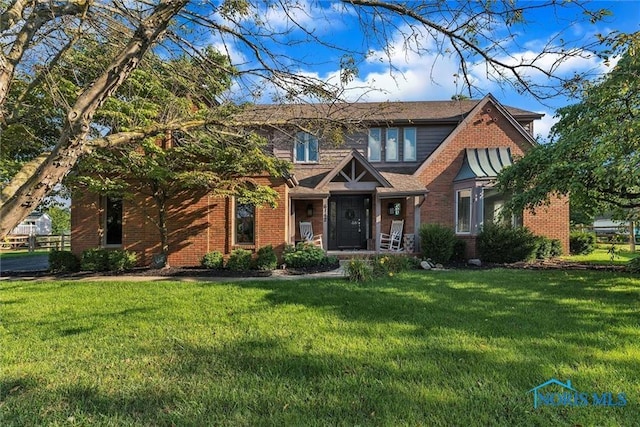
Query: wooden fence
x,y
23,241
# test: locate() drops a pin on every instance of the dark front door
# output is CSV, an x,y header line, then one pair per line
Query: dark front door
x,y
349,222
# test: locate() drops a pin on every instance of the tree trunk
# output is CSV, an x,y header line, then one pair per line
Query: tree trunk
x,y
164,231
32,191
632,236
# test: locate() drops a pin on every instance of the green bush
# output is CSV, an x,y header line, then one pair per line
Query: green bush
x,y
239,260
437,242
63,262
633,266
305,255
388,265
99,259
459,250
543,247
213,260
582,243
556,248
358,270
503,243
96,259
266,258
120,260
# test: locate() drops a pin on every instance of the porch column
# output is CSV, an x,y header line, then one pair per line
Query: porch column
x,y
376,228
325,223
291,238
416,223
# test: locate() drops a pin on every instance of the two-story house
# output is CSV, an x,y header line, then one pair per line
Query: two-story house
x,y
356,168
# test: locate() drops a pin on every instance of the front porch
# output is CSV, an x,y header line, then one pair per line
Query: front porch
x,y
352,224
352,204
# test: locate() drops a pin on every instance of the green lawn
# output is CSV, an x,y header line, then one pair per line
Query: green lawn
x,y
601,255
426,348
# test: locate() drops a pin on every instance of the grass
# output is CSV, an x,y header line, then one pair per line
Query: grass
x,y
426,348
601,255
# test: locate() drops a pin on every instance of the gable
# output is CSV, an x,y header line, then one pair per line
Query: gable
x,y
489,124
354,171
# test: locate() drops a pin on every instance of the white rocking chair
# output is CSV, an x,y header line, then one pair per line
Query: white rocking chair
x,y
393,240
306,233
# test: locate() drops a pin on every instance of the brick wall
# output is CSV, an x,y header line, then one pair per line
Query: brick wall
x,y
488,129
551,221
198,223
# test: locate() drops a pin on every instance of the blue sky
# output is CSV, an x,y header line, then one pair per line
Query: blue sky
x,y
427,76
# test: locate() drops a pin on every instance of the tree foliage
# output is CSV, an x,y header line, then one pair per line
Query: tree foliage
x,y
60,116
594,155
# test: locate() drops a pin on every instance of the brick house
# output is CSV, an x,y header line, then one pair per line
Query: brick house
x,y
420,162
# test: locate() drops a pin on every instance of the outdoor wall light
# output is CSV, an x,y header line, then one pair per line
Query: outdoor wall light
x,y
394,209
309,209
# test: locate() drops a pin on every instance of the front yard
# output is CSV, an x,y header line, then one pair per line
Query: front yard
x,y
422,348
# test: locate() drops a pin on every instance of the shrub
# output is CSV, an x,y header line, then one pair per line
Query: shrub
x,y
213,260
503,243
99,259
306,255
266,258
633,266
239,260
358,270
582,243
459,250
63,262
556,248
96,259
120,260
388,265
543,247
437,242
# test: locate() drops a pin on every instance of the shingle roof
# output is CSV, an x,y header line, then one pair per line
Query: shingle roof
x,y
387,112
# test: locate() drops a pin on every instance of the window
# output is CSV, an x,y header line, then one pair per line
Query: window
x,y
410,145
113,221
492,204
306,148
391,154
375,145
463,211
245,223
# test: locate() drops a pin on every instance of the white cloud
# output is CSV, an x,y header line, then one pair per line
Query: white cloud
x,y
543,126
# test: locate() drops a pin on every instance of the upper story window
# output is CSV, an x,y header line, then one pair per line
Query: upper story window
x,y
306,148
391,149
113,221
375,145
410,145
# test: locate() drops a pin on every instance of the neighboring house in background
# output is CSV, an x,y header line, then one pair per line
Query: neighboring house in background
x,y
37,223
421,162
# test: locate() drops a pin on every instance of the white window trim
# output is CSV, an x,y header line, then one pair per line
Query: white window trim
x,y
470,211
379,159
415,145
386,148
304,138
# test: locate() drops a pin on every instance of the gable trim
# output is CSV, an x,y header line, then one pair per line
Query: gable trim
x,y
353,155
